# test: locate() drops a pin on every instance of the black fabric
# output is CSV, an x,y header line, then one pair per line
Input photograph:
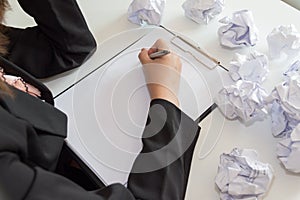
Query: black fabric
x,y
72,167
24,152
169,151
32,132
60,42
34,115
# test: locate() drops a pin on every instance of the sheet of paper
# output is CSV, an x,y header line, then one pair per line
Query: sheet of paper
x,y
202,11
288,151
285,110
239,30
293,69
144,12
242,176
284,39
243,100
107,120
251,67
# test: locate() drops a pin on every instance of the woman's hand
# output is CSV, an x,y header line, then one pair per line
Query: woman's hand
x,y
162,74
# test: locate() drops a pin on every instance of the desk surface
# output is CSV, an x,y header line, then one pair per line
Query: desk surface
x,y
267,15
100,18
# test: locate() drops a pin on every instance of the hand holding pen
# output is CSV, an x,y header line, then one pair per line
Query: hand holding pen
x,y
162,69
159,53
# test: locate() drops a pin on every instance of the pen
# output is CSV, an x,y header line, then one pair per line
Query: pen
x,y
159,54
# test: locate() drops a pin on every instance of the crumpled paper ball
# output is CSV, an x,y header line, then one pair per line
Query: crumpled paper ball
x,y
285,109
288,151
202,11
144,12
293,69
239,31
252,67
284,40
242,176
243,100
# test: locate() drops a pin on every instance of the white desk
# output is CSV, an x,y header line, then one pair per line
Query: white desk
x,y
107,18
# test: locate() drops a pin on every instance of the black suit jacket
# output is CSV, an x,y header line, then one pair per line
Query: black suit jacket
x,y
32,131
60,42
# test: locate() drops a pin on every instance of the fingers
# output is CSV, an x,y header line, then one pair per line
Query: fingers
x,y
144,56
170,60
152,50
157,46
160,44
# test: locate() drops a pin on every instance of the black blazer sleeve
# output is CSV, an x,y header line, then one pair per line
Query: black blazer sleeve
x,y
162,168
60,42
159,173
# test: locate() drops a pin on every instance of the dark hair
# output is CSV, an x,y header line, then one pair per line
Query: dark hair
x,y
4,88
4,5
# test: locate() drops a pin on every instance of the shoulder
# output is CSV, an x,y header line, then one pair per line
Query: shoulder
x,y
12,69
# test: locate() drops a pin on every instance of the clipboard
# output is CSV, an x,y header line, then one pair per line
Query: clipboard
x,y
107,120
189,47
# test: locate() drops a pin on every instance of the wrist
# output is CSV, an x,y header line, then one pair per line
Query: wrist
x,y
160,92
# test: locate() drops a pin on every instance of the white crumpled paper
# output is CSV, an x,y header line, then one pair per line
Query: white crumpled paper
x,y
202,11
146,11
243,100
288,151
242,176
284,39
239,30
285,109
252,67
293,69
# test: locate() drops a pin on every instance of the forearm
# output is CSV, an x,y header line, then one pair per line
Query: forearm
x,y
161,170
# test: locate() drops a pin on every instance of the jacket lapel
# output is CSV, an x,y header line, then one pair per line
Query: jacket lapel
x,y
12,69
41,115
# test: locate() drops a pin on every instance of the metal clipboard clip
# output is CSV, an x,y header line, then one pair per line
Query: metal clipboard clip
x,y
197,53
